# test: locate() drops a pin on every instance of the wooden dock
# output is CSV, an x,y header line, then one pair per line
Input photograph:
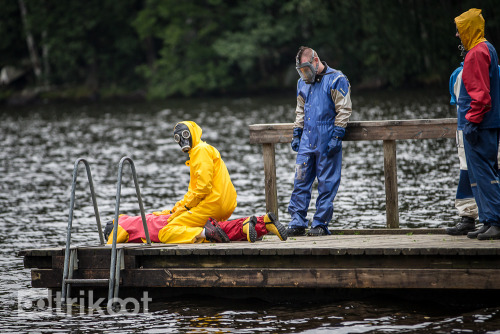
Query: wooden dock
x,y
407,261
420,259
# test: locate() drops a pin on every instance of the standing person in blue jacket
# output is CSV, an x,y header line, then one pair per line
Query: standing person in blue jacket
x,y
464,200
479,101
323,110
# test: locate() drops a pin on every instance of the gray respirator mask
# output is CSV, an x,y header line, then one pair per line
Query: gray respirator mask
x,y
182,136
461,48
306,70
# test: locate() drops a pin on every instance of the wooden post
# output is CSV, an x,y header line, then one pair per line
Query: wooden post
x,y
391,184
270,178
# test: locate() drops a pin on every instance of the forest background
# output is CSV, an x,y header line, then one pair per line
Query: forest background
x,y
163,48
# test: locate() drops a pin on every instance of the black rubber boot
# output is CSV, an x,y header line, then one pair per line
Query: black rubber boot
x,y
482,229
317,231
249,228
295,231
274,226
215,233
107,230
492,233
466,225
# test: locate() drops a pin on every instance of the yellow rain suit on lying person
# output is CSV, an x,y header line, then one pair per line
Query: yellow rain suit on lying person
x,y
210,194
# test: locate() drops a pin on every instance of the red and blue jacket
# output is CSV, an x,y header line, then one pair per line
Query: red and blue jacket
x,y
479,96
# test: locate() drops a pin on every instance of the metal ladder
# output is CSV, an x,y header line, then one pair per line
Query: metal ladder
x,y
71,255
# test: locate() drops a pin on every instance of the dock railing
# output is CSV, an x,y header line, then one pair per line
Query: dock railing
x,y
389,131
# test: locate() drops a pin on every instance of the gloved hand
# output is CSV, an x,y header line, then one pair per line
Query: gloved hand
x,y
161,213
471,132
335,143
177,205
177,212
297,134
192,201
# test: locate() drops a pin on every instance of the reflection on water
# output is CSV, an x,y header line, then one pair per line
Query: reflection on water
x,y
39,145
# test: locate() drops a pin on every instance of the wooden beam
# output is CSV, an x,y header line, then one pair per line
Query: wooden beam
x,y
365,130
373,278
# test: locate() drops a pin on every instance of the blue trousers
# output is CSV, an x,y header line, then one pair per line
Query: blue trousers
x,y
482,163
327,170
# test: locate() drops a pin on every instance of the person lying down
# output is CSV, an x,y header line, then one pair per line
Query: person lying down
x,y
131,230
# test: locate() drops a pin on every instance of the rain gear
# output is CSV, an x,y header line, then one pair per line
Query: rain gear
x,y
464,199
234,228
323,110
479,100
210,193
131,230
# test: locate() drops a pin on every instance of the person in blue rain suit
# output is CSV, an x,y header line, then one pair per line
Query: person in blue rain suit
x,y
464,199
479,100
323,110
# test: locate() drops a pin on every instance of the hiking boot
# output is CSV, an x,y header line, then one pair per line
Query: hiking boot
x,y
482,229
215,233
466,225
249,228
274,226
295,231
108,229
316,231
492,233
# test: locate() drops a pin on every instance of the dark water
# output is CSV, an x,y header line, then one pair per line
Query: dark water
x,y
39,145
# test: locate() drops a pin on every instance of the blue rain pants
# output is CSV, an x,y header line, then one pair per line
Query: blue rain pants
x,y
310,166
482,163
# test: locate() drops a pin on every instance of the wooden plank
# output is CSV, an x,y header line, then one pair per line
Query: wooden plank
x,y
399,239
51,278
388,231
37,262
93,261
364,130
316,278
391,184
41,252
379,278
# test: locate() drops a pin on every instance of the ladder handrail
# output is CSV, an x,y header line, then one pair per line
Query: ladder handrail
x,y
70,218
113,286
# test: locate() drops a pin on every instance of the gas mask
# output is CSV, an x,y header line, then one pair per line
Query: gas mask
x,y
306,70
461,48
182,136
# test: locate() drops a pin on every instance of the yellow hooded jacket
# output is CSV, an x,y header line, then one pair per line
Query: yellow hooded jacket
x,y
210,194
470,26
210,179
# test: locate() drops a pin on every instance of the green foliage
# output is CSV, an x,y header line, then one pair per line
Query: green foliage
x,y
188,48
12,46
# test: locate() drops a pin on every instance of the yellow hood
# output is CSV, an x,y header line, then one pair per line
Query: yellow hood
x,y
195,131
470,26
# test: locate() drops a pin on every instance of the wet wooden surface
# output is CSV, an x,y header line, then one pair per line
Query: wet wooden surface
x,y
409,243
381,261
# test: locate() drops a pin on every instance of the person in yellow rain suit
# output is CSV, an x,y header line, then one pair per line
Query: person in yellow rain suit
x,y
210,194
